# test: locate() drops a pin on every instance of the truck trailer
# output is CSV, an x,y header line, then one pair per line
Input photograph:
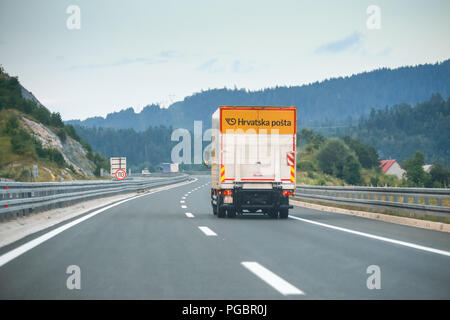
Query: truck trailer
x,y
253,158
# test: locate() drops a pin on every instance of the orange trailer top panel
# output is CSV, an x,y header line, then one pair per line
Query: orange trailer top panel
x,y
258,119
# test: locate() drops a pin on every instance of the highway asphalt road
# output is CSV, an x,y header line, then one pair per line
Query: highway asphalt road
x,y
159,247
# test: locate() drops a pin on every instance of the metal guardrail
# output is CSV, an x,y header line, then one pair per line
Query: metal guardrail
x,y
426,200
23,198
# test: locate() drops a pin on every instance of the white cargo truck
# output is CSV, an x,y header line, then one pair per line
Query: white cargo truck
x,y
170,167
253,158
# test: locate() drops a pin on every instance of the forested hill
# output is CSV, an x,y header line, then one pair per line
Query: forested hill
x,y
30,135
399,131
396,132
329,101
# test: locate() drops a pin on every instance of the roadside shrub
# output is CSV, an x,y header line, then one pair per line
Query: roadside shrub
x,y
352,171
12,124
70,131
305,166
22,142
332,157
56,156
62,135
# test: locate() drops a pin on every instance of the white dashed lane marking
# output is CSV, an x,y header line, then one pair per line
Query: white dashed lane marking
x,y
276,282
207,231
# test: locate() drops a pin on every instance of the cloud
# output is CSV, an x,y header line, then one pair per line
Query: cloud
x,y
208,65
117,63
215,65
382,53
239,67
169,54
161,57
385,52
351,41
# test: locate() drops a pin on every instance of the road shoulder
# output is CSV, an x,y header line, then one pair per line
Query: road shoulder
x,y
430,225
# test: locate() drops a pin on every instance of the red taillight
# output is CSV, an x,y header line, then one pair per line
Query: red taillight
x,y
6,187
227,192
287,193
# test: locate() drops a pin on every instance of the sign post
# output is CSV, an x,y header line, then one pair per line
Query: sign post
x,y
35,171
116,164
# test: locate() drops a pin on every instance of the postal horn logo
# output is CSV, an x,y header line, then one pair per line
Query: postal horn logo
x,y
231,121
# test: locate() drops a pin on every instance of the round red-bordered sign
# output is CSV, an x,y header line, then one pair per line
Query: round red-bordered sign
x,y
120,174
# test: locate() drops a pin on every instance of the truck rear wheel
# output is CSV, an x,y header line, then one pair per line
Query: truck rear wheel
x,y
221,212
214,209
231,213
284,213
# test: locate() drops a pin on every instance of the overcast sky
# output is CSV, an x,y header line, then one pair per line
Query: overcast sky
x,y
134,53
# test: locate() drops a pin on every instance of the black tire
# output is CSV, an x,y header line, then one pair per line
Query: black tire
x,y
221,213
284,213
231,213
214,209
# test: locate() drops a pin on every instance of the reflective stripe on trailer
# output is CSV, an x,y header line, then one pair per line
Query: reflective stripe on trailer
x,y
290,156
222,173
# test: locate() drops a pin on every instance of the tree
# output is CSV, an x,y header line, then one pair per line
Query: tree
x,y
12,124
415,174
62,135
401,129
22,143
441,175
332,157
311,138
352,171
367,155
55,120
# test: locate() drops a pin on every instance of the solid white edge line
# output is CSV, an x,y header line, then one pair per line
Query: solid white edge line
x,y
10,255
368,235
276,282
207,231
189,215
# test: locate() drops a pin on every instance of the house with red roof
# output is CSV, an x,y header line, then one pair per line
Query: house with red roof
x,y
392,167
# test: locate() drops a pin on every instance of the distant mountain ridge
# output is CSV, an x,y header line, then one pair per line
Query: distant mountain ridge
x,y
329,101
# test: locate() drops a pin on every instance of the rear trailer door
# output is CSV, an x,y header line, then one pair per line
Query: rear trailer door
x,y
258,144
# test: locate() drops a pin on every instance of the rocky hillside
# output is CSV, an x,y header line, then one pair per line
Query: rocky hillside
x,y
31,135
72,151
